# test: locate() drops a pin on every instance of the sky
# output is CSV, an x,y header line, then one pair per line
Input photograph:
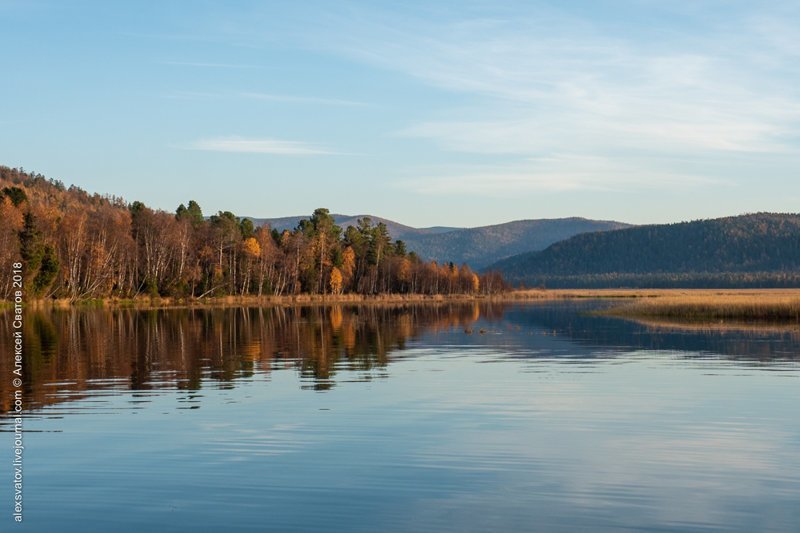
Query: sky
x,y
454,113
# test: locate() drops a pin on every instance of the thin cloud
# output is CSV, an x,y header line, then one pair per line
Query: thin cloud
x,y
202,64
556,174
269,97
611,97
544,80
267,146
301,99
191,95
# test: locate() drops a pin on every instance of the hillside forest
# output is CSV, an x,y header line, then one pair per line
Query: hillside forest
x,y
77,245
753,250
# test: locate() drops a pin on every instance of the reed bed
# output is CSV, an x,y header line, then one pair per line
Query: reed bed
x,y
720,327
697,306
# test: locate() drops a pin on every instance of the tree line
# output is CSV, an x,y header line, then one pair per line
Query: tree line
x,y
78,245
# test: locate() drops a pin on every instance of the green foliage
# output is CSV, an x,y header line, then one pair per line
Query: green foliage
x,y
47,271
136,208
40,258
193,213
322,223
246,228
224,217
31,245
15,194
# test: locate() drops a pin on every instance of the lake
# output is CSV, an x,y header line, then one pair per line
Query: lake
x,y
496,417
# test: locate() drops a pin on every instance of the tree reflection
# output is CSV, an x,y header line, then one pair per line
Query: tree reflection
x,y
70,351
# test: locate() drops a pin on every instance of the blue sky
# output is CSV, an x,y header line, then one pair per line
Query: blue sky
x,y
430,113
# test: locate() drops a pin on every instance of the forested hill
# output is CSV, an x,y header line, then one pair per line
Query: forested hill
x,y
760,249
479,246
77,245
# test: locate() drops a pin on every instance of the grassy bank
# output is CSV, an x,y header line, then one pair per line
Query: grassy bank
x,y
589,294
316,299
765,305
255,301
777,305
145,302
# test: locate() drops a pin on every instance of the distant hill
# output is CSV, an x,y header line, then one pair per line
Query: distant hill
x,y
760,249
396,230
478,247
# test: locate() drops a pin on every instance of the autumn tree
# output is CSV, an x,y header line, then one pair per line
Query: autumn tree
x,y
336,281
78,245
324,235
348,265
251,253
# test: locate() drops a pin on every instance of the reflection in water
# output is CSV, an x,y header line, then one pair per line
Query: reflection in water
x,y
586,332
537,417
70,351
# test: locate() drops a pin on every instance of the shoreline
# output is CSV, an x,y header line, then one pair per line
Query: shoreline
x,y
297,300
147,302
687,304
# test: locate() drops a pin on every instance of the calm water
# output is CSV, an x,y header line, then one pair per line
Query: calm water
x,y
448,418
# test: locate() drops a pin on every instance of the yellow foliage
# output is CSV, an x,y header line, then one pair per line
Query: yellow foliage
x,y
336,280
476,282
251,247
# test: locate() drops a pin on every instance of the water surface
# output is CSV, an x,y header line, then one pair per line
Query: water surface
x,y
535,417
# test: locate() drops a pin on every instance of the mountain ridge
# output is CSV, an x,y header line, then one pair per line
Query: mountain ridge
x,y
477,246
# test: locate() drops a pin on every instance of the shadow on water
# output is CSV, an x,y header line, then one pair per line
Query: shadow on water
x,y
69,352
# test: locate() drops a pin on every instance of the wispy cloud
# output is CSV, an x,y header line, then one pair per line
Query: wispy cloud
x,y
555,174
259,146
539,81
191,95
596,92
272,97
202,64
267,97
